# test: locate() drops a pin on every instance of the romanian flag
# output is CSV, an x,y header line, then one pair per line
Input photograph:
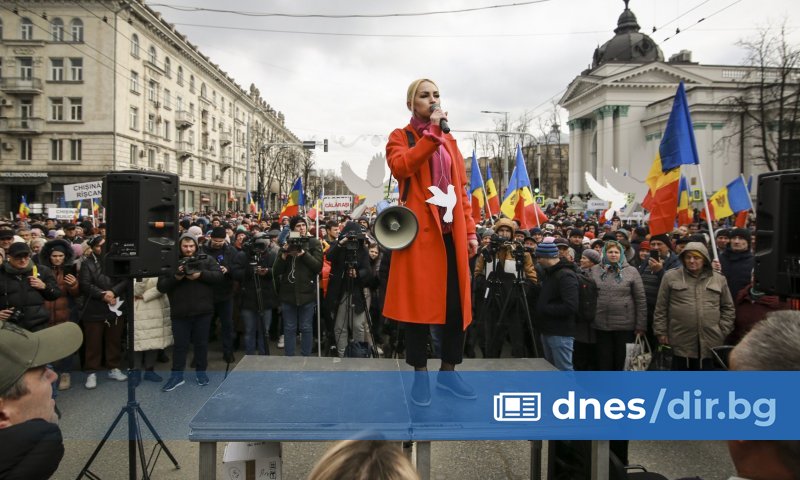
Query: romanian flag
x,y
730,200
24,211
476,189
684,212
251,203
315,210
295,201
95,208
78,211
492,199
261,208
518,202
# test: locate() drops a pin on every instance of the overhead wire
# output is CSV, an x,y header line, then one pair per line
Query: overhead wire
x,y
679,31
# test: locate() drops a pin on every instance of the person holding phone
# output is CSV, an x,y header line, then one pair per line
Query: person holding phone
x,y
661,259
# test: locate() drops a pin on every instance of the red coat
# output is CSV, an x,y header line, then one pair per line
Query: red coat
x,y
417,287
59,308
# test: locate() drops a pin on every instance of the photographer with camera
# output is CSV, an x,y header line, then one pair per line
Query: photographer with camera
x,y
295,273
226,256
351,272
24,288
496,270
191,298
258,293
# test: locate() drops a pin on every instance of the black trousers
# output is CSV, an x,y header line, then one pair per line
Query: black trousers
x,y
610,348
416,334
194,330
684,363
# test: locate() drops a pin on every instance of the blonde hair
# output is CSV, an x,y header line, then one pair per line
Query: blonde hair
x,y
364,460
412,91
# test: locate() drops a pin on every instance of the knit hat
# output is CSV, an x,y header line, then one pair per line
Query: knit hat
x,y
592,255
295,220
576,232
624,232
645,245
536,230
546,250
663,238
561,242
195,231
218,232
6,233
589,235
741,232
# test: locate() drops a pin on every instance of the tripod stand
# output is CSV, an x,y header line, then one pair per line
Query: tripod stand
x,y
134,411
513,307
492,302
349,292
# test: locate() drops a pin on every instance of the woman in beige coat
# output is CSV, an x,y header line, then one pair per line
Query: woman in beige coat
x,y
152,327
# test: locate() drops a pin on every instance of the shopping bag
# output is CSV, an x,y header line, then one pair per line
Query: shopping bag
x,y
641,355
662,359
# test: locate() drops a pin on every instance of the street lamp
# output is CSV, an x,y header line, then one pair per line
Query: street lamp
x,y
505,143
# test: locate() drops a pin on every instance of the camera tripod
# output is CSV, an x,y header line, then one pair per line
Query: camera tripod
x,y
349,291
134,411
511,309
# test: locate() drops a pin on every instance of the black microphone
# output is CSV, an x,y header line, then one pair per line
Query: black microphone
x,y
442,123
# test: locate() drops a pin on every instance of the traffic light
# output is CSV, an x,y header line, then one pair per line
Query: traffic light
x,y
536,186
325,145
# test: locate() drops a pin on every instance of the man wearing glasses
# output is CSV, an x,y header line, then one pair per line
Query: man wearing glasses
x,y
694,311
24,287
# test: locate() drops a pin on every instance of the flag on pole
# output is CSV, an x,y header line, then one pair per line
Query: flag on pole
x,y
315,210
518,202
295,200
95,208
684,212
476,189
678,146
24,210
78,212
492,199
251,203
262,207
730,200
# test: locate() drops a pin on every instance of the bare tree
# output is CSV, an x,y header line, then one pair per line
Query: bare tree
x,y
769,103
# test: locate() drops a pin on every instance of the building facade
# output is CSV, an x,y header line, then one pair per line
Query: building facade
x,y
618,110
96,86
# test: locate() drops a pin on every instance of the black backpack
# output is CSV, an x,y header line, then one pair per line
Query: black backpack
x,y
587,297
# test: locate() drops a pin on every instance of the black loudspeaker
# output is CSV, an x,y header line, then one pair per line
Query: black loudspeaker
x,y
777,263
141,223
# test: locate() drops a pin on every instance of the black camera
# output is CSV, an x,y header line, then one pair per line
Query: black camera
x,y
16,316
296,242
354,240
255,247
192,265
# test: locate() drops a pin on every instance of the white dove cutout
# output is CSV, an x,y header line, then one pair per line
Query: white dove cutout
x,y
441,199
115,308
617,199
626,183
373,187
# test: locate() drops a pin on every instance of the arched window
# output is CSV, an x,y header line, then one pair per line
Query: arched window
x,y
203,90
151,55
180,75
135,45
167,67
77,29
26,29
214,97
57,30
191,83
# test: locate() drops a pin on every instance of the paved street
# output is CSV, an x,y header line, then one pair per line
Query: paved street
x,y
88,413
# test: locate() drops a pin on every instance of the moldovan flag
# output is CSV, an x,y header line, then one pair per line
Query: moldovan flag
x,y
251,203
312,214
684,212
732,199
492,199
24,211
296,199
518,202
78,211
476,188
95,208
262,207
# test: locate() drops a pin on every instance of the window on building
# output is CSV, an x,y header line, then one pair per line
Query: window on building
x,y
57,30
26,108
152,88
56,150
76,109
134,118
167,67
180,167
166,129
165,163
203,90
1,29
202,170
25,67
26,149
222,104
57,69
191,168
151,158
57,109
77,29
180,75
134,154
214,123
135,82
152,56
191,83
26,29
76,150
151,123
76,69
167,99
179,103
135,45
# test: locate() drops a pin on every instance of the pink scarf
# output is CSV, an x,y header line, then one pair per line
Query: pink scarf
x,y
440,162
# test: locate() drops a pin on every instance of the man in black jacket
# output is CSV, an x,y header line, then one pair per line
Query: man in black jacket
x,y
557,306
258,293
737,261
24,287
226,256
191,299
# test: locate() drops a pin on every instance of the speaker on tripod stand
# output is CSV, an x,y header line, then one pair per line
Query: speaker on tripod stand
x,y
142,228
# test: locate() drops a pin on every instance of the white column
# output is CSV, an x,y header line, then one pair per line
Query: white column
x,y
580,162
601,141
608,140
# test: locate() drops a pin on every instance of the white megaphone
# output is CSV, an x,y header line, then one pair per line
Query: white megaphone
x,y
395,227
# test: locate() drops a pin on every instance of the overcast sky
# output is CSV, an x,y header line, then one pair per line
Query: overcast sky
x,y
350,88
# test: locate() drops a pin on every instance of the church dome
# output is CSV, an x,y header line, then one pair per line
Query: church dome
x,y
628,44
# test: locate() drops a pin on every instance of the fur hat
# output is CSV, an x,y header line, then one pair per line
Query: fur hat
x,y
503,222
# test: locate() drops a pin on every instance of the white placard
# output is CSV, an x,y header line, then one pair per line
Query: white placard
x,y
337,203
596,204
83,191
61,213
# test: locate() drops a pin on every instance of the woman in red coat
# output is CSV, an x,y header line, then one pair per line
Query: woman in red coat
x,y
429,281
